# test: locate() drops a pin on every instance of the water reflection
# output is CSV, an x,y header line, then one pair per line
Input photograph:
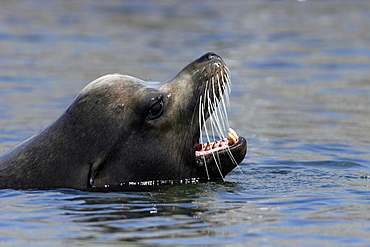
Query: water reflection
x,y
176,211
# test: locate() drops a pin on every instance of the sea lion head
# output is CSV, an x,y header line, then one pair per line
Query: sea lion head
x,y
156,127
121,131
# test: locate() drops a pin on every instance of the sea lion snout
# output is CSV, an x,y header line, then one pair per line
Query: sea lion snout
x,y
209,56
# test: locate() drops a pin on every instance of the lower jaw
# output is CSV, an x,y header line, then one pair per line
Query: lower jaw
x,y
218,164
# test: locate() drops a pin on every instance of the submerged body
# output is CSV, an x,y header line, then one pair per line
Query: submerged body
x,y
121,130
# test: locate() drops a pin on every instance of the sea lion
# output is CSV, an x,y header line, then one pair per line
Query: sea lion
x,y
121,131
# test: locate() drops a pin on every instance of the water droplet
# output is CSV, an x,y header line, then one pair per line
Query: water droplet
x,y
154,210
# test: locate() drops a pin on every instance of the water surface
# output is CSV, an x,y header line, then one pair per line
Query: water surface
x,y
300,74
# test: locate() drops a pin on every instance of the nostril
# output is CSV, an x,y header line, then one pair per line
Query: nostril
x,y
212,55
209,56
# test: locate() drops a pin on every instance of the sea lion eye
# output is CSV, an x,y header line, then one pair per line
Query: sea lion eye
x,y
156,110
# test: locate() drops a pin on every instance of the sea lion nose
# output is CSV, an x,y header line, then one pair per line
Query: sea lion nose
x,y
209,56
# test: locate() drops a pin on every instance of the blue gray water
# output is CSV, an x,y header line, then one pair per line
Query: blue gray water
x,y
301,94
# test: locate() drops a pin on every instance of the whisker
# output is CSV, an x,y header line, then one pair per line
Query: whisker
x,y
201,117
221,130
221,113
216,123
225,101
211,102
217,165
220,117
215,100
211,106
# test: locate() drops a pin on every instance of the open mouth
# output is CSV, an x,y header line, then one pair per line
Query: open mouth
x,y
217,158
204,149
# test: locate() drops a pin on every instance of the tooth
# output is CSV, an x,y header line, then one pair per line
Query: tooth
x,y
233,133
215,144
207,147
232,138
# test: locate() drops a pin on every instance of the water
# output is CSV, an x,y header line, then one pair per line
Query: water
x,y
300,74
